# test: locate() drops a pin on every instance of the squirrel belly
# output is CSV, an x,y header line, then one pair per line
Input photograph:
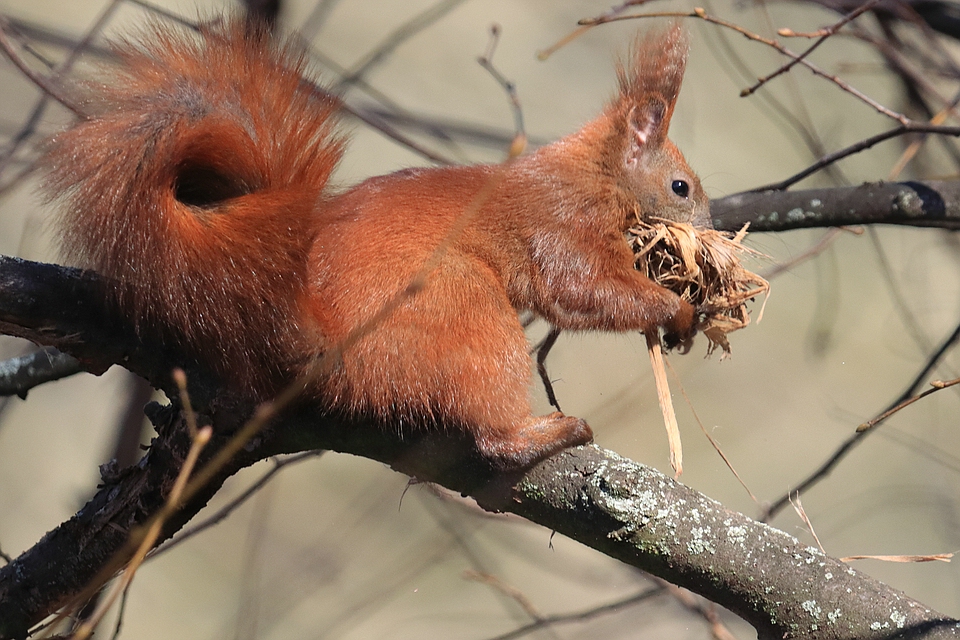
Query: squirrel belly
x,y
199,185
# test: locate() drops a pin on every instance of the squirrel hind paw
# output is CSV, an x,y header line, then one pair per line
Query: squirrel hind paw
x,y
535,439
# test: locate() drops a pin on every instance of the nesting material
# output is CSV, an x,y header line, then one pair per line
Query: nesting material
x,y
703,267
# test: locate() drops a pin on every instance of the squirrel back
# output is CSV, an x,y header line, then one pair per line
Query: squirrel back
x,y
195,183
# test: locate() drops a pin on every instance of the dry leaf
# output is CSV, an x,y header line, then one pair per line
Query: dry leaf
x,y
937,557
666,404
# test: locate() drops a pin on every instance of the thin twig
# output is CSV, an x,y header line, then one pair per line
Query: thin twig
x,y
39,80
486,61
543,350
825,33
911,151
841,452
61,70
543,54
703,15
180,379
121,610
768,101
400,35
508,590
235,503
396,136
316,19
695,605
174,500
816,249
797,505
167,14
710,439
588,614
936,385
863,145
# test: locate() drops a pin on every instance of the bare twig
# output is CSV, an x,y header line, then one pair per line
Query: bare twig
x,y
486,61
797,505
543,54
41,81
580,616
703,15
710,438
180,379
936,385
199,440
400,35
823,35
543,350
166,14
121,610
841,452
62,69
510,591
811,252
393,134
317,18
696,605
231,506
863,145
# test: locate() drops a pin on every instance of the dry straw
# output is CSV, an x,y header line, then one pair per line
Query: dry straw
x,y
703,267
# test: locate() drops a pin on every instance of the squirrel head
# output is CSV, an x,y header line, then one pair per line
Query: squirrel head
x,y
651,168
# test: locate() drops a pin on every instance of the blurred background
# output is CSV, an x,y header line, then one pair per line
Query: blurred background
x,y
341,547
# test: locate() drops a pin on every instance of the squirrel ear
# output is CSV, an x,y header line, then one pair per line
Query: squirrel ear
x,y
647,124
650,82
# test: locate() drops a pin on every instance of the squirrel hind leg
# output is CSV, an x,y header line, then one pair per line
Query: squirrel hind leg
x,y
532,440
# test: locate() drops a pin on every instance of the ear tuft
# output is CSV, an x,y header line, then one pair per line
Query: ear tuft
x,y
655,64
654,70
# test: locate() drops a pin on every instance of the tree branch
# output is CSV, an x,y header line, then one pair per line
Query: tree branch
x,y
617,506
930,203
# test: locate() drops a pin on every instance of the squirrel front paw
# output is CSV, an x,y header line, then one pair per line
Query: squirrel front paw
x,y
680,328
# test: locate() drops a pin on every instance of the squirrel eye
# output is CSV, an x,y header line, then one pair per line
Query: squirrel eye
x,y
680,188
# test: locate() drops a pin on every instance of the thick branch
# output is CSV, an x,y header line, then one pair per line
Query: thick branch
x,y
19,375
785,589
614,505
929,203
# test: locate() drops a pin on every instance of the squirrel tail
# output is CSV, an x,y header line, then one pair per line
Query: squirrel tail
x,y
194,185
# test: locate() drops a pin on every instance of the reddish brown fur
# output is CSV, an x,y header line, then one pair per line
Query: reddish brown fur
x,y
281,270
226,277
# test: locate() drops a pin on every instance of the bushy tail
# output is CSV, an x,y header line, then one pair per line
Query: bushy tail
x,y
195,183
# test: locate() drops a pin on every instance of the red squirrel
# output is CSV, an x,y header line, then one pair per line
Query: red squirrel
x,y
199,184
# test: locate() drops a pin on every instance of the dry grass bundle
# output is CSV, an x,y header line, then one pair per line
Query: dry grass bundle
x,y
703,267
